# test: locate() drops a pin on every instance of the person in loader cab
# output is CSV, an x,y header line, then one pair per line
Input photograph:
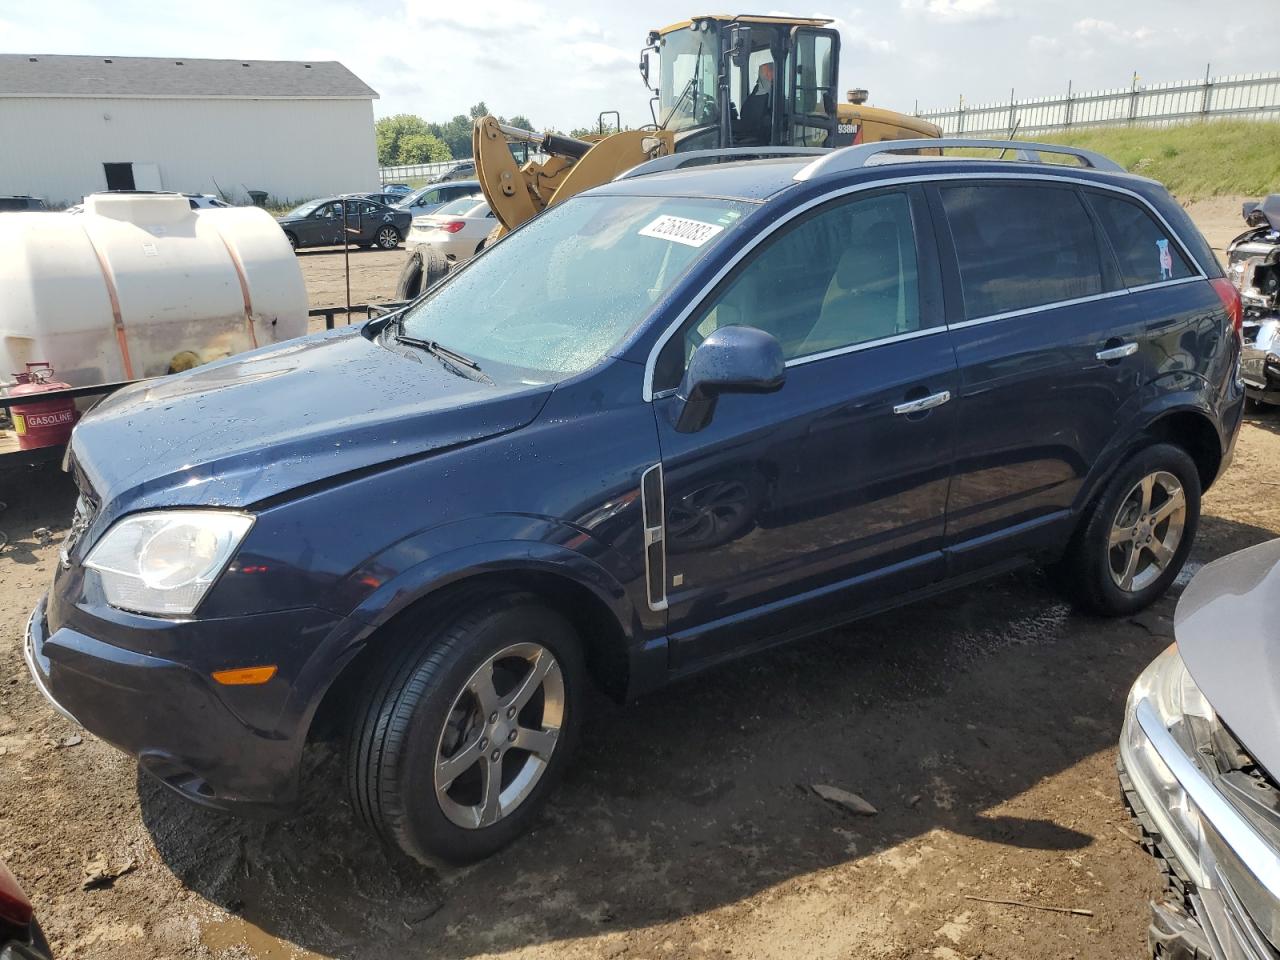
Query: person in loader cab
x,y
756,125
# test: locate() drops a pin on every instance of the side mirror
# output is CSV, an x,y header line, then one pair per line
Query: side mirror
x,y
741,44
730,360
644,67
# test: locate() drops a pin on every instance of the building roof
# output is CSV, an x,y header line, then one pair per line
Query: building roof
x,y
39,75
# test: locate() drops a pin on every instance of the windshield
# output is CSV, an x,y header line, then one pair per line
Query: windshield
x,y
456,208
305,210
554,297
687,88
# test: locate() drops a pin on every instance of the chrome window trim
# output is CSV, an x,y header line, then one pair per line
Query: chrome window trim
x,y
1244,840
865,345
654,533
647,392
1054,305
1168,283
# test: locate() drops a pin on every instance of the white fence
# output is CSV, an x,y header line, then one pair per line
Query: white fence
x,y
1253,96
415,171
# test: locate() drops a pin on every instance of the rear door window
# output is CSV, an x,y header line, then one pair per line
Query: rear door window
x,y
1021,246
1145,251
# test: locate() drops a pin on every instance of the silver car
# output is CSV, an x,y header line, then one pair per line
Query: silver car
x,y
1200,764
432,197
458,229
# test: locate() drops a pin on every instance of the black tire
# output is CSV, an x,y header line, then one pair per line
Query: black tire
x,y
388,237
410,283
492,237
1086,571
408,711
293,240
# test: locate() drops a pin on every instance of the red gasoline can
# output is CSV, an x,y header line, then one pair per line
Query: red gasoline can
x,y
41,423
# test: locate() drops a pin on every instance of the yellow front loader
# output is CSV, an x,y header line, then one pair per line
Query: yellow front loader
x,y
722,81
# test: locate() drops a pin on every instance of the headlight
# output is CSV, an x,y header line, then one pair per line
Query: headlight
x,y
1171,690
164,562
1182,710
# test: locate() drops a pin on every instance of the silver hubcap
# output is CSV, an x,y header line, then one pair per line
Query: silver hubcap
x,y
1146,531
502,730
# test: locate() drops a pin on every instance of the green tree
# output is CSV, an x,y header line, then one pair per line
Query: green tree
x,y
457,135
521,121
390,131
422,148
479,110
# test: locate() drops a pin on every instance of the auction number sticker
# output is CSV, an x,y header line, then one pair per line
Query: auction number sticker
x,y
692,233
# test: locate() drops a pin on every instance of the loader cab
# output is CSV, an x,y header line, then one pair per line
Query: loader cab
x,y
745,81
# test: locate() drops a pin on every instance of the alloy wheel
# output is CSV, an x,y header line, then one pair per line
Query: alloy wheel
x,y
388,238
500,735
1147,531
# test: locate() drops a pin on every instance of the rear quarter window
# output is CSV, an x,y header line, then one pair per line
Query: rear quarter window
x,y
1144,250
1020,246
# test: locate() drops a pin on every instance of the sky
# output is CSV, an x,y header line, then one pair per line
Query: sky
x,y
561,63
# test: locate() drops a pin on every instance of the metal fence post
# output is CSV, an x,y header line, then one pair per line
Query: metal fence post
x,y
960,117
1133,99
1013,112
1066,122
1204,95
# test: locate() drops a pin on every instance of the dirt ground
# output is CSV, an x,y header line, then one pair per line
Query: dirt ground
x,y
981,725
373,278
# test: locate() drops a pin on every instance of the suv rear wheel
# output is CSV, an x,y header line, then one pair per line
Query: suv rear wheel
x,y
459,741
1137,534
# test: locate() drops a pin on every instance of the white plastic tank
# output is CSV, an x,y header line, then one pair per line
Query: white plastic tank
x,y
139,285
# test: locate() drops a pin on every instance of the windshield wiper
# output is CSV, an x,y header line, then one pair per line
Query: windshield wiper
x,y
688,87
450,358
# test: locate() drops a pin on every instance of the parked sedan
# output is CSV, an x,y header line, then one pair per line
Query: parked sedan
x,y
431,198
1200,764
319,223
458,229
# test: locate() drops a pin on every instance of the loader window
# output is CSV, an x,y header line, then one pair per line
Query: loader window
x,y
687,88
554,297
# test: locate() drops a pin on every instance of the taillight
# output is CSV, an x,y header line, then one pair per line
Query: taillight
x,y
1230,298
453,226
15,908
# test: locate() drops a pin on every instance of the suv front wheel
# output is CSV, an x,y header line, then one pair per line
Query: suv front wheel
x,y
458,742
1137,536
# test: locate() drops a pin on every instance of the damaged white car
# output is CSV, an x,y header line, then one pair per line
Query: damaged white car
x,y
1200,765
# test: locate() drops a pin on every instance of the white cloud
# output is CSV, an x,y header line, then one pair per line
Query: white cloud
x,y
1110,32
1042,44
957,11
592,53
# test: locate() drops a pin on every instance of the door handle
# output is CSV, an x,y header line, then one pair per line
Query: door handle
x,y
1117,353
923,404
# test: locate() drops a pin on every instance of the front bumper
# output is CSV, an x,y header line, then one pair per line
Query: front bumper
x,y
225,747
1203,913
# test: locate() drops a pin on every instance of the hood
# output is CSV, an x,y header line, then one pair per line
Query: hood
x,y
253,426
1228,631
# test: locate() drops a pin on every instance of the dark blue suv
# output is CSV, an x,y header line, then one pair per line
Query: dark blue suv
x,y
670,421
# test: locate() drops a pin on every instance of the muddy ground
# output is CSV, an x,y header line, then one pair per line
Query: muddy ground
x,y
981,725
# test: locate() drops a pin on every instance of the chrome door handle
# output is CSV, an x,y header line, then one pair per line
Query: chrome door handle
x,y
1117,353
924,403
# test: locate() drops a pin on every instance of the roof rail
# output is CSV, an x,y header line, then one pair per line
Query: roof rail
x,y
676,161
865,154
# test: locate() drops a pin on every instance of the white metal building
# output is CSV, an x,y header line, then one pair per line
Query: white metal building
x,y
76,125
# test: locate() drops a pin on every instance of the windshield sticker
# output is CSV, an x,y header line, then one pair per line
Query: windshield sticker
x,y
692,233
1166,260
